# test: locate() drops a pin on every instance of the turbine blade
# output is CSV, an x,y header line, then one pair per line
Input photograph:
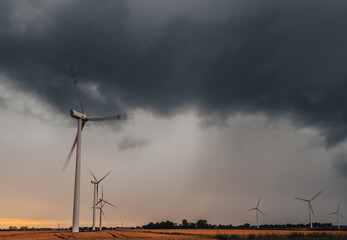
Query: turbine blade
x,y
302,199
316,195
98,202
311,209
110,204
104,176
261,212
251,209
113,117
79,96
341,215
70,153
103,213
332,213
72,148
92,174
258,202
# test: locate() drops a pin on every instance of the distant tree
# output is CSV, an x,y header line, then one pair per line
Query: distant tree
x,y
245,226
169,225
185,223
12,228
202,224
192,225
149,226
23,228
160,225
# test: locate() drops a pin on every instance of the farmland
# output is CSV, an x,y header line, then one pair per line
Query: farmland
x,y
172,234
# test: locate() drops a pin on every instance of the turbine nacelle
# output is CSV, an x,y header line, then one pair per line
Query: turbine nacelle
x,y
78,115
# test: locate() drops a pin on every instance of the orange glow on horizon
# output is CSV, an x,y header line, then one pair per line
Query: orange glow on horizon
x,y
5,223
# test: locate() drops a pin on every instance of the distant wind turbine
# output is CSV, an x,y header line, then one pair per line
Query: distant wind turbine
x,y
82,119
310,209
337,215
102,203
257,210
96,191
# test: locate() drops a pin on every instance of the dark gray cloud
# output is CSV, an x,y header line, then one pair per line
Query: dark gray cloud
x,y
274,57
340,164
130,142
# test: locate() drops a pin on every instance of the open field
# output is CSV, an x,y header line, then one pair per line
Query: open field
x,y
161,234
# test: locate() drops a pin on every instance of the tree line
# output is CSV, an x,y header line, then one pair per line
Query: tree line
x,y
203,224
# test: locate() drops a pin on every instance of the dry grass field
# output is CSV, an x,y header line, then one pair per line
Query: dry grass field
x,y
145,234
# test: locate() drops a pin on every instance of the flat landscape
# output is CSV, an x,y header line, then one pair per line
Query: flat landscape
x,y
152,234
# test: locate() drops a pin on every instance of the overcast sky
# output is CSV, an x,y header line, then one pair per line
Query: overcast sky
x,y
232,101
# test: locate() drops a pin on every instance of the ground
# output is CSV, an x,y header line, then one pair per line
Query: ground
x,y
143,234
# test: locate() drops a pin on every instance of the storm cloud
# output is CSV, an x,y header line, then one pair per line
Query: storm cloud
x,y
130,142
340,164
280,58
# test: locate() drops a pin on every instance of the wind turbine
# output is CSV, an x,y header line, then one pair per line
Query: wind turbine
x,y
102,203
337,215
310,209
257,210
82,118
96,190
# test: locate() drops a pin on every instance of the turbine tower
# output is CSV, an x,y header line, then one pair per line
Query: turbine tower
x,y
256,211
337,215
96,191
101,213
310,209
102,203
82,118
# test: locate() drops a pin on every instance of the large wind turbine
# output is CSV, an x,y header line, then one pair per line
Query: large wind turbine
x,y
82,118
96,190
102,203
257,210
310,209
337,215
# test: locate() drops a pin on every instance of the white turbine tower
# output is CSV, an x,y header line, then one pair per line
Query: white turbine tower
x,y
310,209
96,191
337,215
257,210
101,213
102,203
82,118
